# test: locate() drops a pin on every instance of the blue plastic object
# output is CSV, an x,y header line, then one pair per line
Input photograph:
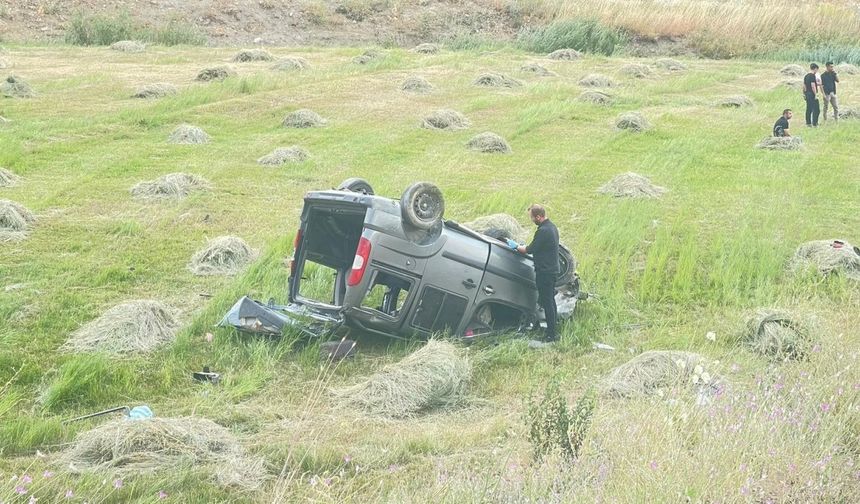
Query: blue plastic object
x,y
140,413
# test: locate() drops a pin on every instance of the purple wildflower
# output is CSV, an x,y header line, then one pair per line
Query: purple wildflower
x,y
20,490
117,483
825,407
47,474
69,493
653,465
26,479
162,495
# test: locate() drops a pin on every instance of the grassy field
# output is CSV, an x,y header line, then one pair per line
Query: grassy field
x,y
665,272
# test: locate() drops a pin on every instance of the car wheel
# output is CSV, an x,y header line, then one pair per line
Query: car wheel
x,y
356,184
422,205
567,266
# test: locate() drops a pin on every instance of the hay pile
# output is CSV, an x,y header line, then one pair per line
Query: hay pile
x,y
829,257
416,84
847,69
736,101
792,71
596,80
7,178
291,63
780,143
490,143
849,113
156,90
670,64
499,226
649,372
303,118
631,185
187,134
367,56
225,255
130,447
537,69
434,377
129,46
282,155
778,334
15,87
15,220
632,121
636,70
215,73
427,48
135,326
796,84
595,97
445,119
3,64
494,79
565,54
249,55
170,186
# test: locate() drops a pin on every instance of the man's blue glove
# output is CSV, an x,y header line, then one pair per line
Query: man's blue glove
x,y
512,244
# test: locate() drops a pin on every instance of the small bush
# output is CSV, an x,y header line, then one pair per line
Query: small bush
x,y
553,428
582,35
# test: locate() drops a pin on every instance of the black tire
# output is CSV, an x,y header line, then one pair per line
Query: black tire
x,y
567,266
422,205
356,184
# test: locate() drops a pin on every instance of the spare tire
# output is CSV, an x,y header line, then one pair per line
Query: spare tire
x,y
567,266
422,205
356,184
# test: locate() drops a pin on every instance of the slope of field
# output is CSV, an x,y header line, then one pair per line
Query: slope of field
x,y
666,272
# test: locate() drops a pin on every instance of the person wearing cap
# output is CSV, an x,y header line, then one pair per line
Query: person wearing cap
x,y
810,94
544,249
828,89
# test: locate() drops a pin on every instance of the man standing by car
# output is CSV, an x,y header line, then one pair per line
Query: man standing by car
x,y
828,89
544,249
810,94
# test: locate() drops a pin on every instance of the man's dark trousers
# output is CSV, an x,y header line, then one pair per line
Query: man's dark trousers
x,y
812,109
546,299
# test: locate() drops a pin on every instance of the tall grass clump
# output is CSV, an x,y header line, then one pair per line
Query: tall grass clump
x,y
834,53
98,30
88,381
555,428
583,35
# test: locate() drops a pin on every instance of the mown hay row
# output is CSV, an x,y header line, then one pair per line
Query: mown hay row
x,y
131,327
171,186
303,118
778,334
224,255
828,257
490,143
445,119
283,155
651,372
631,185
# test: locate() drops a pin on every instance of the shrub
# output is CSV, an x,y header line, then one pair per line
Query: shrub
x,y
582,35
553,428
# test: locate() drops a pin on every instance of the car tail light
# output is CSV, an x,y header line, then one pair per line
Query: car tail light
x,y
359,264
296,242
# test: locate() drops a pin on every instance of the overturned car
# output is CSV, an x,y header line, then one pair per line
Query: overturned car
x,y
397,268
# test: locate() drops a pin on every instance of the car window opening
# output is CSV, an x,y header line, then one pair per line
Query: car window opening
x,y
387,294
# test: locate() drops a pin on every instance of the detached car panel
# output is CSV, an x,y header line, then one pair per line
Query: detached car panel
x,y
398,268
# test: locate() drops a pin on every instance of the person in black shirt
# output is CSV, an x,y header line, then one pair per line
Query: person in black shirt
x,y
810,94
828,89
780,128
544,250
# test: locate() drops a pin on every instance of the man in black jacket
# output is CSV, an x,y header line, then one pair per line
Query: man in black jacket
x,y
544,250
810,94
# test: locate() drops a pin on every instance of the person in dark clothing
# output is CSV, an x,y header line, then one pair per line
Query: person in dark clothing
x,y
828,90
544,250
810,94
780,128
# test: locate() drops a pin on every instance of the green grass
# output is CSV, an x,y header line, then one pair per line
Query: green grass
x,y
581,34
663,272
93,29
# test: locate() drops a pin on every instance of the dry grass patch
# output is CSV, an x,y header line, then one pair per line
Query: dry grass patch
x,y
427,48
367,57
224,255
650,372
494,79
251,55
632,121
434,377
490,143
847,69
445,119
291,63
780,143
156,90
792,71
792,83
595,97
672,65
4,64
499,226
216,73
136,326
303,118
8,179
736,101
171,186
15,87
778,334
828,257
15,220
131,447
631,185
537,69
636,70
565,55
283,155
596,80
129,46
416,84
188,134
849,113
